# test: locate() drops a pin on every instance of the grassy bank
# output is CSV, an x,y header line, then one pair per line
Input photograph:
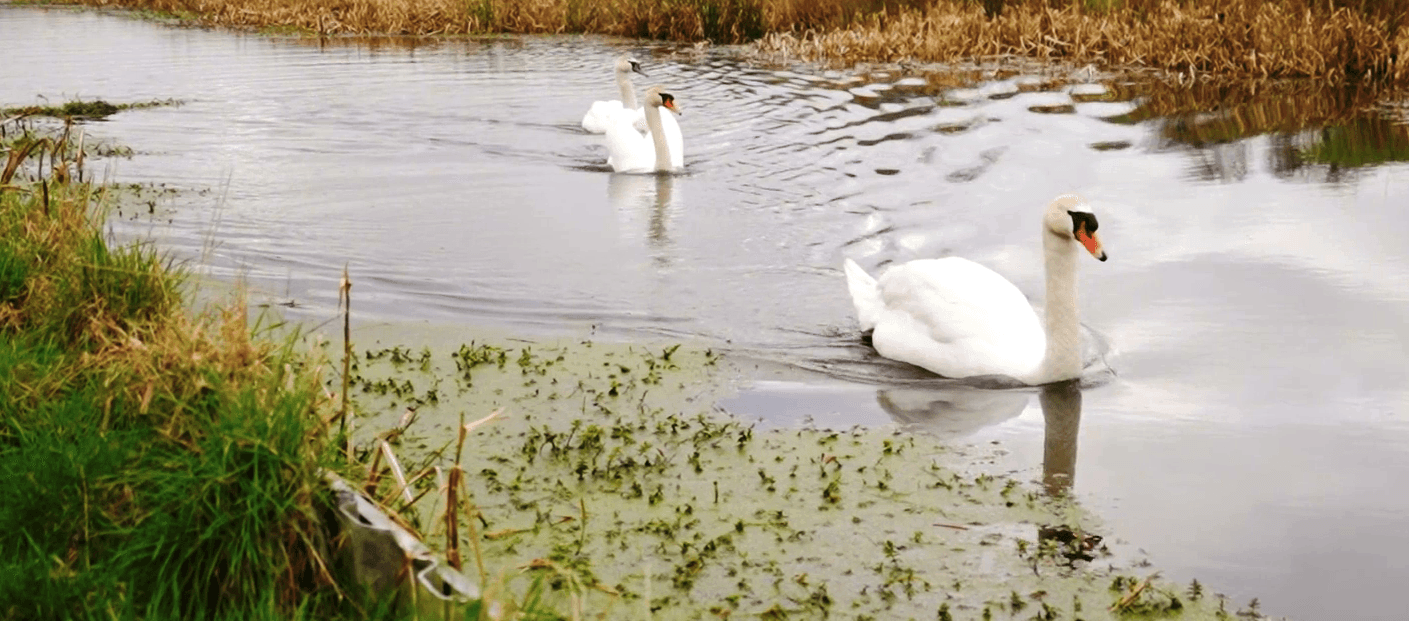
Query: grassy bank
x,y
153,464
1333,40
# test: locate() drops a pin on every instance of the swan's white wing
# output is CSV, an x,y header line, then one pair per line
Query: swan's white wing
x,y
958,319
603,114
628,150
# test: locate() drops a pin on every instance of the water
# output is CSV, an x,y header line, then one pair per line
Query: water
x,y
1255,434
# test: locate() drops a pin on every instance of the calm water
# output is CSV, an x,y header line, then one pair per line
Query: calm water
x,y
1256,434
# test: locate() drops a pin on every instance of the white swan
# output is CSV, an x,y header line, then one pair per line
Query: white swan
x,y
629,151
960,319
603,114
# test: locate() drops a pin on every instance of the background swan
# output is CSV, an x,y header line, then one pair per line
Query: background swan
x,y
603,114
960,319
630,151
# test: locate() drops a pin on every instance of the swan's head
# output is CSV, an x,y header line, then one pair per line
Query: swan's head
x,y
656,96
1069,217
626,64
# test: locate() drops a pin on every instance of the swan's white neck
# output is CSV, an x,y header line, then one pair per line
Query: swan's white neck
x,y
658,137
628,92
1063,358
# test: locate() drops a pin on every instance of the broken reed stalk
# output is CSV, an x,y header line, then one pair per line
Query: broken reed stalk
x,y
345,299
374,475
396,471
410,482
457,482
78,159
452,521
471,515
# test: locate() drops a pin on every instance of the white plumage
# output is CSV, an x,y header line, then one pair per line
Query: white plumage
x,y
952,316
630,151
960,319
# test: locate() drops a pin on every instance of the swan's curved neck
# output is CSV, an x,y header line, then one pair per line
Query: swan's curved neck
x,y
658,137
628,92
1063,358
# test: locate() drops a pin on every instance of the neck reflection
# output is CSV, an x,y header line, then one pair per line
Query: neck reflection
x,y
1061,410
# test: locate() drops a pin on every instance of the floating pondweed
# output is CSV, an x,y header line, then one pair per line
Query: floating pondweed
x,y
615,471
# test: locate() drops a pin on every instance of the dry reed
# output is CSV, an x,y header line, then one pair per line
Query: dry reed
x,y
1334,40
1235,39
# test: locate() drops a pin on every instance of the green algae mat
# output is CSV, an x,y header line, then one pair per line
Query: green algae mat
x,y
610,475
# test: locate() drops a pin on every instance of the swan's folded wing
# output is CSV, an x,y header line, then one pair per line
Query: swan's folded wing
x,y
958,315
602,115
628,150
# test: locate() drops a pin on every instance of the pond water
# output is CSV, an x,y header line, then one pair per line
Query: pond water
x,y
1255,434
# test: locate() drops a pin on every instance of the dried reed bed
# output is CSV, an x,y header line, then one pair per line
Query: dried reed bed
x,y
720,21
1335,40
1234,39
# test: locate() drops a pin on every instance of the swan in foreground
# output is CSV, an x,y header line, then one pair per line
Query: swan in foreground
x,y
629,151
603,114
960,319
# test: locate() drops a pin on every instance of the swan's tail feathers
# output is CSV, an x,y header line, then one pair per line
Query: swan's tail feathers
x,y
864,294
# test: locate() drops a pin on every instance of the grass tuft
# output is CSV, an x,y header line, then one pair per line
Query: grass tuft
x,y
153,463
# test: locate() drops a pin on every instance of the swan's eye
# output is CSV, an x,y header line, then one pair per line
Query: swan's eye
x,y
1086,219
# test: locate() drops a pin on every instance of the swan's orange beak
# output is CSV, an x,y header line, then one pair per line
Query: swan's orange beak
x,y
670,103
1091,242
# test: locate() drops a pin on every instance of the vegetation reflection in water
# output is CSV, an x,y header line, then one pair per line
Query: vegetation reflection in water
x,y
1309,124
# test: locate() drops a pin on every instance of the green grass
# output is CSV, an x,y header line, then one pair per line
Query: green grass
x,y
152,464
148,470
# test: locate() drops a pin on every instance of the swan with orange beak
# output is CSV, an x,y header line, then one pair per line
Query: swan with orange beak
x,y
960,319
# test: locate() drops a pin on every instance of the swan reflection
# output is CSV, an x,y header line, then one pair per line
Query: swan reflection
x,y
951,411
962,410
1061,411
645,201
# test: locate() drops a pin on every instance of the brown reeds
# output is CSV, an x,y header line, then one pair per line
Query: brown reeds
x,y
1334,40
1188,39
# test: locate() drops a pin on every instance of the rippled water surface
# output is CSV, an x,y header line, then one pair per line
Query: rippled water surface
x,y
1256,432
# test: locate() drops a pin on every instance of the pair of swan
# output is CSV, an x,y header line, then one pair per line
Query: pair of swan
x,y
960,319
661,148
